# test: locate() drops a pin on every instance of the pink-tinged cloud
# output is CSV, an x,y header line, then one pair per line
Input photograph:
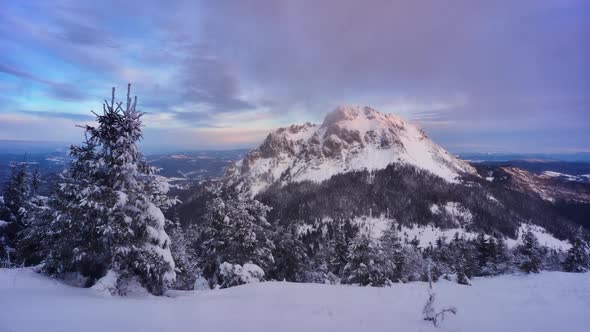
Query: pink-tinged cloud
x,y
496,73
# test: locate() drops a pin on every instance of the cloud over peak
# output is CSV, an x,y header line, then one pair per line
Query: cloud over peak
x,y
458,67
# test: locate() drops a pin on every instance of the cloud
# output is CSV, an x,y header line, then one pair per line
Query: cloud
x,y
178,139
59,115
207,79
20,126
58,90
461,69
332,51
23,74
83,33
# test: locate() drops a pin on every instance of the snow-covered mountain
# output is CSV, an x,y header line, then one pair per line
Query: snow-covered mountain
x,y
349,139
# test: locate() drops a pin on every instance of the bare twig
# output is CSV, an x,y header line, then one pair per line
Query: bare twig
x,y
113,98
128,98
119,106
429,312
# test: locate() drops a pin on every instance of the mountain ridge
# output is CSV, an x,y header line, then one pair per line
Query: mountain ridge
x,y
350,138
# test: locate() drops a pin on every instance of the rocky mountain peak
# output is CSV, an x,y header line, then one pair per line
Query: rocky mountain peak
x,y
350,138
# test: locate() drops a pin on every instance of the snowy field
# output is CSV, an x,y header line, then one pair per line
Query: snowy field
x,y
550,301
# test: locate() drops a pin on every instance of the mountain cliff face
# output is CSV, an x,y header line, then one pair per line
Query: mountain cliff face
x,y
349,139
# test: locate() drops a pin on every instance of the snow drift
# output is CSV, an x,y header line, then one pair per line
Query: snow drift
x,y
550,301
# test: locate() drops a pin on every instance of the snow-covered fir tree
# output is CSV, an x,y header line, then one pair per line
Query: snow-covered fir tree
x,y
500,257
108,216
485,250
392,248
317,268
184,254
530,253
31,239
365,263
410,264
465,259
578,256
289,255
36,182
73,239
339,251
14,212
554,259
461,263
236,274
236,232
441,258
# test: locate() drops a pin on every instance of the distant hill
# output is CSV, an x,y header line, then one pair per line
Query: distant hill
x,y
22,147
525,157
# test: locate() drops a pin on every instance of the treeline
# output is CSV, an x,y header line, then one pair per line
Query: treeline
x,y
236,231
407,194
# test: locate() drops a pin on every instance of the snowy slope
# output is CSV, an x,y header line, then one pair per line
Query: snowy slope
x,y
545,238
566,177
550,301
350,138
552,191
427,235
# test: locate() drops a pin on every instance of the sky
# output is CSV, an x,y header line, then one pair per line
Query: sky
x,y
477,76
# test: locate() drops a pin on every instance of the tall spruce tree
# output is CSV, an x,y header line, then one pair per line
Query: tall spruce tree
x,y
485,249
365,263
530,253
442,261
465,259
184,255
410,264
339,247
29,240
497,256
108,207
236,232
391,246
36,182
289,255
14,211
578,256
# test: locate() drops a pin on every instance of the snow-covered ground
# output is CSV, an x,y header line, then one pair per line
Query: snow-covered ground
x,y
550,301
566,177
427,235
